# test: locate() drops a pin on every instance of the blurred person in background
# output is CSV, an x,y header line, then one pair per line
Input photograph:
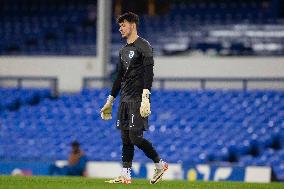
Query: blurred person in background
x,y
134,82
76,163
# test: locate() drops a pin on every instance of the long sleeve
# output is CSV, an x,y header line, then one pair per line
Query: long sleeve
x,y
148,62
148,72
117,83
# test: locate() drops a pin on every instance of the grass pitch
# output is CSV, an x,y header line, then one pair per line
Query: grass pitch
x,y
40,182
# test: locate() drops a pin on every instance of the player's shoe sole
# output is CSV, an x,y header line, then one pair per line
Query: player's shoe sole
x,y
119,180
157,178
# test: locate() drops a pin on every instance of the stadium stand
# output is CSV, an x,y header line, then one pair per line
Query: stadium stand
x,y
226,28
187,126
13,98
30,27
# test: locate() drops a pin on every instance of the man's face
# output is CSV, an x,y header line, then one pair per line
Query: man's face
x,y
126,28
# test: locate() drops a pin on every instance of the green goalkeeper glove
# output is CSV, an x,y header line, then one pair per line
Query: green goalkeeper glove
x,y
145,109
107,108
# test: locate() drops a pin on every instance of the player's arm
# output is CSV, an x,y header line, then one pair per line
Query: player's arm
x,y
106,111
148,72
117,82
148,63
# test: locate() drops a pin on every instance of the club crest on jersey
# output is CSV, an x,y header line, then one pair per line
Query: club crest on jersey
x,y
131,54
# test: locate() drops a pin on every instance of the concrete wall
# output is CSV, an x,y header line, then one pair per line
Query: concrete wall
x,y
71,70
204,66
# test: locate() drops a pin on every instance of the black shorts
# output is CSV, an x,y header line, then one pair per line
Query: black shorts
x,y
129,118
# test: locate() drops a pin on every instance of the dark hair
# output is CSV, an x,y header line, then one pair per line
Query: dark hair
x,y
129,17
75,143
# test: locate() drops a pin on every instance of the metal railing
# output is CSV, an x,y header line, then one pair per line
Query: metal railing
x,y
53,81
201,80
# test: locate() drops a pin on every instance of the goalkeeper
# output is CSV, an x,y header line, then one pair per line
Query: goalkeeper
x,y
134,82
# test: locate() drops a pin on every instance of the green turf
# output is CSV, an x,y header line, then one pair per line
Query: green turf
x,y
19,182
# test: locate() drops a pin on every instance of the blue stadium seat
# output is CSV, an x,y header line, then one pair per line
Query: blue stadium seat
x,y
13,98
244,127
45,29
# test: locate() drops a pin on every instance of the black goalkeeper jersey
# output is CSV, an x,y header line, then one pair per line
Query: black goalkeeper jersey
x,y
135,70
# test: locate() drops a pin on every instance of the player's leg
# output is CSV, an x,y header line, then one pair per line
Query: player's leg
x,y
127,146
137,124
127,154
127,157
136,137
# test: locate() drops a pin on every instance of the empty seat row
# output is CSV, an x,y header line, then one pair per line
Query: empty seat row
x,y
13,98
216,128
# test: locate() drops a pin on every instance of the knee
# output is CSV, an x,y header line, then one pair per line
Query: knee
x,y
128,146
125,140
136,138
